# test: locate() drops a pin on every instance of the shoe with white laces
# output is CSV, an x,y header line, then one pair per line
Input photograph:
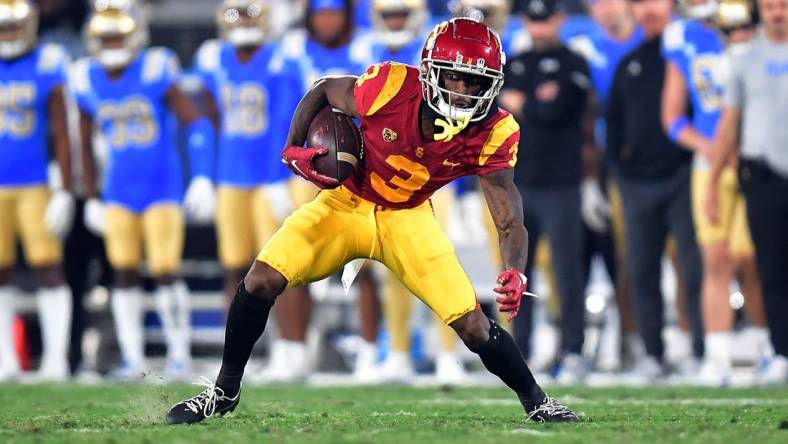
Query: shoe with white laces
x,y
574,369
211,401
773,372
552,411
449,370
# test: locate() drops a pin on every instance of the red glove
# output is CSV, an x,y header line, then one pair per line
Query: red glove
x,y
300,160
513,286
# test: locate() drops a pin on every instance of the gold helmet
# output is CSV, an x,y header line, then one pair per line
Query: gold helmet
x,y
243,23
116,32
732,14
495,12
18,27
703,10
415,13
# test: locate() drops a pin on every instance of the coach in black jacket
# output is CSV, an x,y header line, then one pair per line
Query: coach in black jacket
x,y
654,177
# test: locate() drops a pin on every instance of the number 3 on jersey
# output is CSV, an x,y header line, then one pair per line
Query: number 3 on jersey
x,y
399,189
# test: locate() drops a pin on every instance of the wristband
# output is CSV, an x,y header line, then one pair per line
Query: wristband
x,y
676,127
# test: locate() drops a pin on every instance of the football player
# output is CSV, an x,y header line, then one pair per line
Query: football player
x,y
128,94
248,96
326,47
447,128
32,104
694,50
496,13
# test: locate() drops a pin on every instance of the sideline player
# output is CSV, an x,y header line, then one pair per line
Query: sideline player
x,y
327,46
248,97
448,128
128,94
695,52
32,104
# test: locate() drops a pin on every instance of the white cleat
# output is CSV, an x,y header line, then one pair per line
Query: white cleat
x,y
49,372
645,371
449,369
712,375
773,372
10,373
289,363
574,369
398,369
366,369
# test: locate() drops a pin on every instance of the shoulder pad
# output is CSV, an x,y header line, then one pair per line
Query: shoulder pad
x,y
378,86
158,63
504,134
209,55
673,37
79,76
51,58
294,44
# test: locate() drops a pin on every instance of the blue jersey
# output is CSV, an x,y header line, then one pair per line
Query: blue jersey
x,y
256,101
603,54
25,86
139,130
315,61
698,52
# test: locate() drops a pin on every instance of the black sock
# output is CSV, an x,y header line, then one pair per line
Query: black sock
x,y
502,358
246,321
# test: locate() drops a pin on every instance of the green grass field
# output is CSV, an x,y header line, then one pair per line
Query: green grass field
x,y
134,413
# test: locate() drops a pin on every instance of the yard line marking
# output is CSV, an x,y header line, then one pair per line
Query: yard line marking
x,y
532,432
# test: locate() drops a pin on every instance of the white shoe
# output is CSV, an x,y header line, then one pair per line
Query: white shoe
x,y
645,371
398,368
449,370
574,369
50,372
366,369
9,373
179,371
774,372
712,374
289,363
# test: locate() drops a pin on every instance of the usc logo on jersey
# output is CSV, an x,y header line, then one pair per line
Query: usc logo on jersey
x,y
389,135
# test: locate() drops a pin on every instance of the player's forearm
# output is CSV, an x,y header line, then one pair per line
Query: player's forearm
x,y
59,128
506,208
88,162
724,142
513,243
334,91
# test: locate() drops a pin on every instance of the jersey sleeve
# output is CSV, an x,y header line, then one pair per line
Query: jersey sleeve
x,y
52,67
499,151
378,86
161,70
673,40
80,87
207,63
734,85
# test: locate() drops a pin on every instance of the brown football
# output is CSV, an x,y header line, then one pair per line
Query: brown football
x,y
336,131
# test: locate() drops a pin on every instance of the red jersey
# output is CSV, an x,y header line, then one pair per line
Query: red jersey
x,y
401,169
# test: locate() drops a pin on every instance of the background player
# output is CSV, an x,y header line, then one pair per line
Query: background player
x,y
32,104
247,95
128,94
382,211
326,47
694,49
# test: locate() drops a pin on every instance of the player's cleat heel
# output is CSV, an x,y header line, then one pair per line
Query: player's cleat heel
x,y
209,402
552,411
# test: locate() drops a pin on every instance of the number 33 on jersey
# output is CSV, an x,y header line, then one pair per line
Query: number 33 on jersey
x,y
401,169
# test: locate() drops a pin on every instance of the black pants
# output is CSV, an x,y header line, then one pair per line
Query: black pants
x,y
766,193
652,209
555,212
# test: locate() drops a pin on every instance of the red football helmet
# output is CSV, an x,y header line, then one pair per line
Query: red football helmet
x,y
466,46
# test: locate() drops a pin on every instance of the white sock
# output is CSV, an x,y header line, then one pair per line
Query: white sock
x,y
54,315
183,318
127,310
763,341
635,345
718,349
8,358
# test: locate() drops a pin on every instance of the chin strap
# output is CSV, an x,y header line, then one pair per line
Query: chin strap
x,y
450,128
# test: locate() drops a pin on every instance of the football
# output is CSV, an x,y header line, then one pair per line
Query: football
x,y
336,131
